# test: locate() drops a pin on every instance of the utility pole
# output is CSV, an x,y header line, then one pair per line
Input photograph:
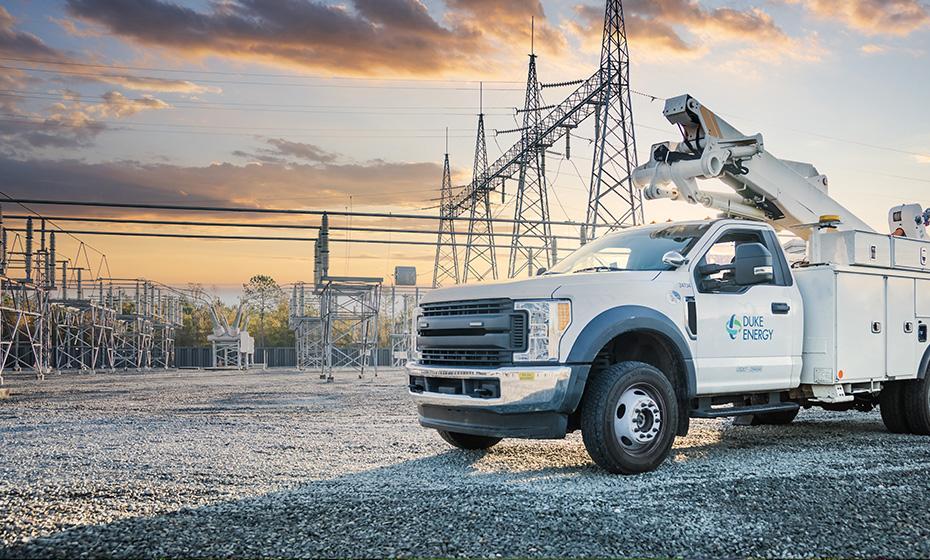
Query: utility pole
x,y
480,253
532,232
612,198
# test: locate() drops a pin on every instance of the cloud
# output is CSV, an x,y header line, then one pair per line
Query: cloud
x,y
371,36
684,28
162,85
372,184
873,17
281,150
69,123
510,22
922,158
117,105
878,49
19,43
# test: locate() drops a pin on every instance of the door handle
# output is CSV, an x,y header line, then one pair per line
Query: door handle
x,y
780,308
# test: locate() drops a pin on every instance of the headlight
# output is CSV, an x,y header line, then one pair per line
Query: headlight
x,y
548,321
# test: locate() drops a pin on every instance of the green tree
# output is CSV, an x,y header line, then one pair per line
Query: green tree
x,y
264,296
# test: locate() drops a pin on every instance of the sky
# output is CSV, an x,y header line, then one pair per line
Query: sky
x,y
335,105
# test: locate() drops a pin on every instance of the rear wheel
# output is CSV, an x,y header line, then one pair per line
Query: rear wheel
x,y
891,406
916,399
780,418
629,418
468,441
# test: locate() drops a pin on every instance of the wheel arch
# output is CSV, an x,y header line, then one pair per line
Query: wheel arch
x,y
633,332
924,364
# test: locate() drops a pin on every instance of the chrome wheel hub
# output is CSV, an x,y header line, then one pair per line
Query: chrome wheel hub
x,y
638,418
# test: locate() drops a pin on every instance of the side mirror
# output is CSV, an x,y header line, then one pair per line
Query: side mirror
x,y
540,271
753,264
674,259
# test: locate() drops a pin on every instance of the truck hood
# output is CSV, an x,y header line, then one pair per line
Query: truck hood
x,y
539,287
527,288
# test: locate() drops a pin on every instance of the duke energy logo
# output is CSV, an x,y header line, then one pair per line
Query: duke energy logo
x,y
734,327
748,327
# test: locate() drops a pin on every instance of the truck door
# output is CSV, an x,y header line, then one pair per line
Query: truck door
x,y
748,337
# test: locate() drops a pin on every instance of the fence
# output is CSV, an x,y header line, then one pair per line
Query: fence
x,y
201,357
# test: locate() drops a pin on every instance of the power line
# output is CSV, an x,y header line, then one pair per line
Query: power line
x,y
243,210
244,237
277,84
249,225
228,105
22,204
120,127
249,74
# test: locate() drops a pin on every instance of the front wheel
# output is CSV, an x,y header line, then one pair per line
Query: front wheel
x,y
468,441
629,417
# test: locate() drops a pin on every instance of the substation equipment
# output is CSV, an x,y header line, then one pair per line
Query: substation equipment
x,y
55,317
335,319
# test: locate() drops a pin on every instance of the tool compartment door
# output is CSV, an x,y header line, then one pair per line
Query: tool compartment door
x,y
861,327
902,352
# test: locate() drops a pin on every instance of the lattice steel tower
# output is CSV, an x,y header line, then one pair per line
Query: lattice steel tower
x,y
612,199
480,254
531,244
446,266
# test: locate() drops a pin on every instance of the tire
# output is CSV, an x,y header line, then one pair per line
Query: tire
x,y
892,407
608,426
916,398
468,441
781,418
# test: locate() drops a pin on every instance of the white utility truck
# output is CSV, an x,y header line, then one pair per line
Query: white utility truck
x,y
640,330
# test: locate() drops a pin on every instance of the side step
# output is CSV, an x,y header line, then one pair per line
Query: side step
x,y
744,410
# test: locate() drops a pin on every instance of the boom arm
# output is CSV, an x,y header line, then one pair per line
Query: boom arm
x,y
789,195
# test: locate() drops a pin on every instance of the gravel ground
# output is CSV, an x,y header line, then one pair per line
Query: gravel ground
x,y
279,464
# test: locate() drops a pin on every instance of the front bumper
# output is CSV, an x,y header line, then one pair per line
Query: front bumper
x,y
533,401
522,389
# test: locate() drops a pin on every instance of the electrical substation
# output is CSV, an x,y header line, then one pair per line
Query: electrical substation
x,y
64,313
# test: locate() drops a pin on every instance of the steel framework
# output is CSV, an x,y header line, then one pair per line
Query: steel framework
x,y
612,201
480,253
403,302
335,321
24,340
349,309
307,324
532,231
25,337
612,198
446,266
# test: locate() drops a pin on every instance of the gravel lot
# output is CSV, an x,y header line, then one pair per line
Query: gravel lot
x,y
279,464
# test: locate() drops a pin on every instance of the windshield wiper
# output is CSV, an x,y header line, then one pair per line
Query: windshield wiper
x,y
602,268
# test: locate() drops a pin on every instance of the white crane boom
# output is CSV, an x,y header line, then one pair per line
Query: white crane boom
x,y
790,195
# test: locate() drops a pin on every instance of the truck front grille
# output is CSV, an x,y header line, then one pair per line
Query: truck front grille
x,y
477,333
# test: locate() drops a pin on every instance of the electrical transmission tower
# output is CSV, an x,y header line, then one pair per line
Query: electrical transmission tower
x,y
612,198
446,267
480,254
613,201
532,232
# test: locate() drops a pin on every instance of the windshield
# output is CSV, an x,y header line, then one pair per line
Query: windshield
x,y
640,248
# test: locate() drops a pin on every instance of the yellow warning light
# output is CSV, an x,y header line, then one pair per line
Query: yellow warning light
x,y
828,219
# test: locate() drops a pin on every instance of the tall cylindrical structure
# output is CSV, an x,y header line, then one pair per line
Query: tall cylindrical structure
x,y
28,256
50,261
